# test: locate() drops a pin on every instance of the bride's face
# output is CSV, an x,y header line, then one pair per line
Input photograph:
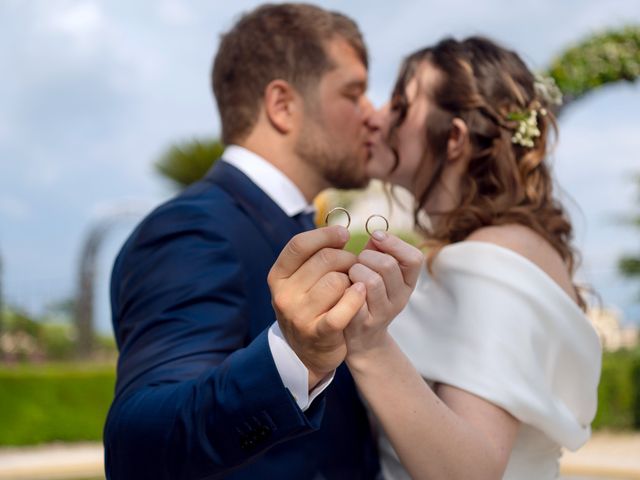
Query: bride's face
x,y
407,143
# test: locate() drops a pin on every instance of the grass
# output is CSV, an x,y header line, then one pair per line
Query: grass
x,y
359,239
54,402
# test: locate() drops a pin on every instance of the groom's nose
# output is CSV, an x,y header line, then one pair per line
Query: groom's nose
x,y
367,109
377,119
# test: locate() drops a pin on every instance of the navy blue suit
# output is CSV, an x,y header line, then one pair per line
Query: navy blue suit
x,y
198,395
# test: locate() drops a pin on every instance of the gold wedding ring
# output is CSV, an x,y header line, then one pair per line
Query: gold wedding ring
x,y
366,225
338,209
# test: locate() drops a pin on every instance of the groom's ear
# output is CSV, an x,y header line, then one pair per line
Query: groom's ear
x,y
458,142
280,102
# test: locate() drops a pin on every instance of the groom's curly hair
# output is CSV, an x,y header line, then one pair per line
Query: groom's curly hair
x,y
275,41
483,84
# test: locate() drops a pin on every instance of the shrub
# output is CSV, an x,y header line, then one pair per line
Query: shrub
x,y
54,403
619,391
359,239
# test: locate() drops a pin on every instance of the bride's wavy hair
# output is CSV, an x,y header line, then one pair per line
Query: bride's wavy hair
x,y
485,85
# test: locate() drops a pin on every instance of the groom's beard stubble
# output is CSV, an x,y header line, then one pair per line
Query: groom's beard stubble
x,y
337,164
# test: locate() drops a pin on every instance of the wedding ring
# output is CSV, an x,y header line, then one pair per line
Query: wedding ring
x,y
338,209
366,225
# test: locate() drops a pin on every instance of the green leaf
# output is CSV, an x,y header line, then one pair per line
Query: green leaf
x,y
188,162
609,57
629,266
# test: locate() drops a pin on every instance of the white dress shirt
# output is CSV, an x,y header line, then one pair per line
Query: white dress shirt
x,y
290,199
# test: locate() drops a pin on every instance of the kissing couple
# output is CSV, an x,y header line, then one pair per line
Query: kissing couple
x,y
253,346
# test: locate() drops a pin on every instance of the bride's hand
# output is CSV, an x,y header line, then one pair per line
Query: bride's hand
x,y
389,268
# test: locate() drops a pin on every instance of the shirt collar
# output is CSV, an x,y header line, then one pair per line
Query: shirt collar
x,y
269,179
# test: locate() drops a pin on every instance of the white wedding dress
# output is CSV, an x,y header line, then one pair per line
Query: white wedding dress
x,y
491,322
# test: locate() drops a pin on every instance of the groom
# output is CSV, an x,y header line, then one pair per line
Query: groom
x,y
208,385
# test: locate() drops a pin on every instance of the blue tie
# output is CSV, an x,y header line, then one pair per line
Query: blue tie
x,y
306,219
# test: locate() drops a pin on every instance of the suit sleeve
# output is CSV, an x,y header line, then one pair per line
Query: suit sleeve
x,y
194,398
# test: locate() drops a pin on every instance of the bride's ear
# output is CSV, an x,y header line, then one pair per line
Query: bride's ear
x,y
458,140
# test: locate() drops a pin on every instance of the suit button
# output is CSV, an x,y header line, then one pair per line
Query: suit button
x,y
245,442
263,433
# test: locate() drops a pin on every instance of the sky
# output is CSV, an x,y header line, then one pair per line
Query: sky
x,y
93,92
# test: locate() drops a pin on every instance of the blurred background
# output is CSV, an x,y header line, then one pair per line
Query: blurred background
x,y
106,110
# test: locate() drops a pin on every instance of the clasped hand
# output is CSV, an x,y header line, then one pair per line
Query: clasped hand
x,y
331,304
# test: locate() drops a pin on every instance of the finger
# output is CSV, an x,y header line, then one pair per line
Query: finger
x,y
325,294
322,262
370,246
303,246
388,268
409,258
362,315
377,297
337,319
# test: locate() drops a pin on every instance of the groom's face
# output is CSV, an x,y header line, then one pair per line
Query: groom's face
x,y
335,138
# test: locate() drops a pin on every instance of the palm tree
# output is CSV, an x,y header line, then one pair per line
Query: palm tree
x,y
188,162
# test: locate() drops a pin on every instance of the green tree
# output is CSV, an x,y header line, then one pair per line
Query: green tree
x,y
600,59
189,161
629,265
609,57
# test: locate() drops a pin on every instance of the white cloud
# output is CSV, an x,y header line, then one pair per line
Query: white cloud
x,y
100,87
44,174
14,208
5,128
134,207
605,147
175,12
80,20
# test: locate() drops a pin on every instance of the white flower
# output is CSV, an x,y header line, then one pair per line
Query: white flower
x,y
547,90
527,130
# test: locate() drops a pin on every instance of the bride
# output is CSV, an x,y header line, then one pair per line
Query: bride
x,y
493,366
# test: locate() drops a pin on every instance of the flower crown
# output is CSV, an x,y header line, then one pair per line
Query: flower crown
x,y
527,130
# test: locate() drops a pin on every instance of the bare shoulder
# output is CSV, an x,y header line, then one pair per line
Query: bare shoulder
x,y
518,238
529,244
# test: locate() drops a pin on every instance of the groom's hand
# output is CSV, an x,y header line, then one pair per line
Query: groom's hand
x,y
313,298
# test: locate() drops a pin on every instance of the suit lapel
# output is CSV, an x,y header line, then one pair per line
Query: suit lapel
x,y
277,226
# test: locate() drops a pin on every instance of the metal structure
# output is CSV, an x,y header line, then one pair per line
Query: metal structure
x,y
87,271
